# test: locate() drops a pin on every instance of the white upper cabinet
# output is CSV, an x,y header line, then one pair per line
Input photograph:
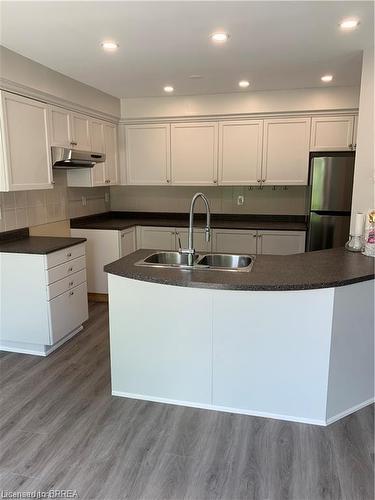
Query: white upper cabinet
x,y
240,152
25,161
111,153
97,143
194,148
81,135
147,149
103,139
332,133
286,151
61,130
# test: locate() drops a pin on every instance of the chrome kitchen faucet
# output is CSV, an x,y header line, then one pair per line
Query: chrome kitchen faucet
x,y
190,251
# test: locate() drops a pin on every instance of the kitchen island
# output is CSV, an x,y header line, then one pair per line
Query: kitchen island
x,y
291,339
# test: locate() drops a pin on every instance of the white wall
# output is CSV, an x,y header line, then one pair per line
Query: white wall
x,y
364,175
21,70
314,99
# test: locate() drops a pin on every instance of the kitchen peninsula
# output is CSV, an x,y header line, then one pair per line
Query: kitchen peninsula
x,y
291,339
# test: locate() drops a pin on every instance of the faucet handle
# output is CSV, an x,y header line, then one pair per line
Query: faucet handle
x,y
207,234
179,242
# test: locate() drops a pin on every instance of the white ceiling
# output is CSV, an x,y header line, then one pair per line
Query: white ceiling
x,y
275,45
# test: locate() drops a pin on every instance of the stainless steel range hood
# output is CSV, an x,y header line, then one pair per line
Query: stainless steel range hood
x,y
73,158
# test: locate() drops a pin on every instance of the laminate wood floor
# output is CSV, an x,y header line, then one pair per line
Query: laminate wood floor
x,y
60,428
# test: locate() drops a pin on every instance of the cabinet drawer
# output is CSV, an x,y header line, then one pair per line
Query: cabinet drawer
x,y
65,255
67,312
66,284
59,272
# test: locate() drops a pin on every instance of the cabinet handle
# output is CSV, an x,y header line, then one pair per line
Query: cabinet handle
x,y
70,269
264,180
354,146
69,254
254,235
259,180
53,182
123,236
71,293
215,181
350,146
168,181
71,283
73,143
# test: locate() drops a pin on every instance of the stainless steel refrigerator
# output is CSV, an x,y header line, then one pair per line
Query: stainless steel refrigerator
x,y
331,185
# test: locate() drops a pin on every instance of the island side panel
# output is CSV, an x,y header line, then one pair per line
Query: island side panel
x,y
160,340
351,376
271,352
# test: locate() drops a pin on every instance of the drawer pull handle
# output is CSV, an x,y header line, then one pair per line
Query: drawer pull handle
x,y
71,283
69,254
71,293
70,269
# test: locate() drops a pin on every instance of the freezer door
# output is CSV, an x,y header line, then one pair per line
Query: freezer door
x,y
327,231
331,180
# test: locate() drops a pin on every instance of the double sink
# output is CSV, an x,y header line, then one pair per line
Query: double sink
x,y
210,261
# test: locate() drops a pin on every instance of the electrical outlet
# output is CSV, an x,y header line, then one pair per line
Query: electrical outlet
x,y
106,197
240,199
84,201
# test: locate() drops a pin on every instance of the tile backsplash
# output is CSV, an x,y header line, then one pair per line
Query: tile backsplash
x,y
31,208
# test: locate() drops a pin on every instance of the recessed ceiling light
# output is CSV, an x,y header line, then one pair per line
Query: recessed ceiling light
x,y
107,45
349,24
243,84
195,77
327,78
168,88
219,37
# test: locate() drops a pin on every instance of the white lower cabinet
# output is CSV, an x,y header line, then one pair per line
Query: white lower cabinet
x,y
260,242
104,246
200,243
234,241
158,238
281,242
43,301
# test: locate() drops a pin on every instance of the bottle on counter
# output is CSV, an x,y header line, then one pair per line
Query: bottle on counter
x,y
369,243
355,242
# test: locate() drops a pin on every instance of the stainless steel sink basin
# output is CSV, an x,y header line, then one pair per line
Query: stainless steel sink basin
x,y
167,259
223,260
211,261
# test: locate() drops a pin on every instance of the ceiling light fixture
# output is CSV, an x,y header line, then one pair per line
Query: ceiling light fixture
x,y
349,24
168,88
243,84
109,45
219,37
327,78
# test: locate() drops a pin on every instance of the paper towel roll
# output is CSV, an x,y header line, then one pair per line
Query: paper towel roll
x,y
358,224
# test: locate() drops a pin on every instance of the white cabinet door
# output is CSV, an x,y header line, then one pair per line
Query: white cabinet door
x,y
111,153
67,312
240,152
281,242
128,242
234,241
332,133
25,162
61,132
97,144
286,151
81,134
147,150
194,153
199,239
156,238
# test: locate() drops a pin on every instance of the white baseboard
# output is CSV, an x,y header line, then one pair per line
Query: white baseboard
x,y
349,411
36,349
204,406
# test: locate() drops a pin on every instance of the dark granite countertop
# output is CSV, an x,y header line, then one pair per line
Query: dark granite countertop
x,y
19,241
311,270
123,220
